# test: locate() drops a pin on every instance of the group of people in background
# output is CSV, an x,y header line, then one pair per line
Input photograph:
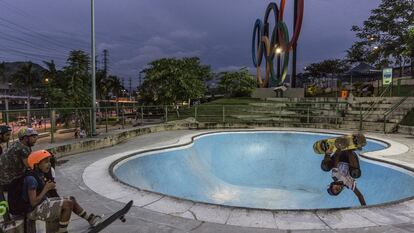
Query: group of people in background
x,y
28,179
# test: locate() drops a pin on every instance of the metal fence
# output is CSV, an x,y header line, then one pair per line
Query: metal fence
x,y
59,124
54,122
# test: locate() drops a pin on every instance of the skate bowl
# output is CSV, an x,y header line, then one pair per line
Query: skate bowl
x,y
274,170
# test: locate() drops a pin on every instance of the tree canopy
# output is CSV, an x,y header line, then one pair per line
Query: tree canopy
x,y
326,67
170,80
237,83
384,38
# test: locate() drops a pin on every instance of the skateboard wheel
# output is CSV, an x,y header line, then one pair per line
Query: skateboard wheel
x,y
122,218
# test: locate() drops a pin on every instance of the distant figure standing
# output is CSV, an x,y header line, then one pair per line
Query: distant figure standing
x,y
82,133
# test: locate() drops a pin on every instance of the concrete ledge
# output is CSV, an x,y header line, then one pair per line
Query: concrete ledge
x,y
111,140
63,131
405,129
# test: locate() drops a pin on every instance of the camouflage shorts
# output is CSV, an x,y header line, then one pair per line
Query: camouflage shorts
x,y
49,210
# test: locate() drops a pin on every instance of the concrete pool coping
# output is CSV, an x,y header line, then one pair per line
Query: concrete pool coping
x,y
97,178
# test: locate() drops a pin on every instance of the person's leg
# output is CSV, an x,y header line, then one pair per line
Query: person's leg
x,y
78,210
64,219
354,169
53,209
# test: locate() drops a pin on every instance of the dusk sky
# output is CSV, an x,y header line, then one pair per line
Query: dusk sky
x,y
138,31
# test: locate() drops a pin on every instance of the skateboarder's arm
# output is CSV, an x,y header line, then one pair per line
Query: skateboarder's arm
x,y
360,196
34,198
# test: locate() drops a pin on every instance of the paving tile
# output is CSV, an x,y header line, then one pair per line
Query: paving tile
x,y
251,218
344,219
298,220
170,205
211,213
382,216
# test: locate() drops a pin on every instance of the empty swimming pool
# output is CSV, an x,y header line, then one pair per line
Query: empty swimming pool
x,y
261,169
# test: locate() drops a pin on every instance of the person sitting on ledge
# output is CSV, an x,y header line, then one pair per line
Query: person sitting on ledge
x,y
31,198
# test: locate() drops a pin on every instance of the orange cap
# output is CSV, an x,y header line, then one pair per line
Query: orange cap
x,y
37,156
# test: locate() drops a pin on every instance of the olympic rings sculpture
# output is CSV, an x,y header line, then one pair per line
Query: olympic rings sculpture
x,y
277,46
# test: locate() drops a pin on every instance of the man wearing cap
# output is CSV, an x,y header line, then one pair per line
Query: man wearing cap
x,y
4,135
13,162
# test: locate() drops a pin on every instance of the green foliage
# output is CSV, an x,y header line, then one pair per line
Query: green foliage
x,y
323,68
170,80
237,84
2,71
384,37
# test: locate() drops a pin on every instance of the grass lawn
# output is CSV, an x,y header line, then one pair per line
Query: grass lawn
x,y
409,119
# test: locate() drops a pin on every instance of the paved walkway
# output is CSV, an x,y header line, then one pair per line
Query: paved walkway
x,y
144,219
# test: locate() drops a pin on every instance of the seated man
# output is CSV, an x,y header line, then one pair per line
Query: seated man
x,y
345,169
31,198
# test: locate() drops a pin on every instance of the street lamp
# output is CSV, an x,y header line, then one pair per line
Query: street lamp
x,y
93,57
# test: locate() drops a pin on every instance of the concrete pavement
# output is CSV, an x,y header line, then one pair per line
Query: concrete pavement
x,y
146,218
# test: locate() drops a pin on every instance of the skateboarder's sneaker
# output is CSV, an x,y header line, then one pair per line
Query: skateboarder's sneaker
x,y
94,220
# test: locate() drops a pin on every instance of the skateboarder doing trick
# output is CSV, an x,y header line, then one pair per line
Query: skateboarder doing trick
x,y
345,169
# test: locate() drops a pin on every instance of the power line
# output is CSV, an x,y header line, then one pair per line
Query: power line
x,y
26,15
20,41
44,37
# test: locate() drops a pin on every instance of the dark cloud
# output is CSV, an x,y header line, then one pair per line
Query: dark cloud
x,y
136,32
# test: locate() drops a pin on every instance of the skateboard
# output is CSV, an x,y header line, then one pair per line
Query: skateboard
x,y
120,214
3,208
342,143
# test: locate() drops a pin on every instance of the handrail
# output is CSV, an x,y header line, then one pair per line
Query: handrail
x,y
394,107
371,108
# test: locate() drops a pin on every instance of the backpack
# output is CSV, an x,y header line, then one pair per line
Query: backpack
x,y
17,205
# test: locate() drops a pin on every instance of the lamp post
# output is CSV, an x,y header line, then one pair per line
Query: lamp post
x,y
93,57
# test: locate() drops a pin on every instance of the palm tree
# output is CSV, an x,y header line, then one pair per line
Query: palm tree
x,y
27,77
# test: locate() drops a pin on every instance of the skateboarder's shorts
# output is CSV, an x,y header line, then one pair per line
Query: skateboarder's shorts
x,y
49,210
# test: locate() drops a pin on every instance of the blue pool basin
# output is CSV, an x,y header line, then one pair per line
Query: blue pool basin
x,y
260,169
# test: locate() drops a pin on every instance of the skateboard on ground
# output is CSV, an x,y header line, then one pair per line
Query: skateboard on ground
x,y
343,143
120,214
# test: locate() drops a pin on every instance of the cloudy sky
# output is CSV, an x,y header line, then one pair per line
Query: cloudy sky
x,y
136,32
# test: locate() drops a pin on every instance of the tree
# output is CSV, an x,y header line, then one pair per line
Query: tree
x,y
78,85
410,49
27,78
2,72
170,80
237,83
53,92
323,69
384,36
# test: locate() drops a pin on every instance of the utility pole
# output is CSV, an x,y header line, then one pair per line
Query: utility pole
x,y
294,52
140,79
130,88
105,61
93,126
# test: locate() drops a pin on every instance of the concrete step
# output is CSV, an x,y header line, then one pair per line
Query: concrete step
x,y
369,126
394,119
308,100
381,106
384,100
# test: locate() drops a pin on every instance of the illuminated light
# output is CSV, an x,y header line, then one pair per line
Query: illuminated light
x,y
278,50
